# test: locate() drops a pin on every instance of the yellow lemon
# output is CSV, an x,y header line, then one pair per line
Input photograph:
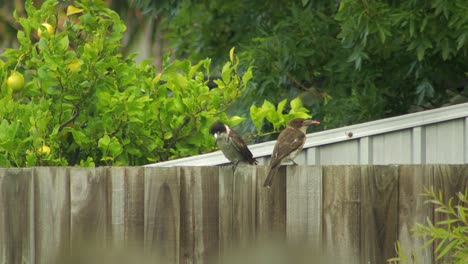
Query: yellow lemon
x,y
49,28
16,81
44,150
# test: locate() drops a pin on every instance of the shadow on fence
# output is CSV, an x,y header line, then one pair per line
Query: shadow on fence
x,y
210,214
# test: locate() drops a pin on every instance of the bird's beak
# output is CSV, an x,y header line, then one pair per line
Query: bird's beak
x,y
311,123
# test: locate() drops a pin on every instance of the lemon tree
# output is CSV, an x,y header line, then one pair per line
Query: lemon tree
x,y
76,100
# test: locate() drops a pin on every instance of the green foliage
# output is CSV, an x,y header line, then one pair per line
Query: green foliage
x,y
422,43
449,234
276,115
85,104
350,61
198,29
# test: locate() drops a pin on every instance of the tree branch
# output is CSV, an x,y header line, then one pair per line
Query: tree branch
x,y
303,87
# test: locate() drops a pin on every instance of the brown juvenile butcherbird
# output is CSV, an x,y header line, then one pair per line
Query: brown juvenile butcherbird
x,y
288,145
231,144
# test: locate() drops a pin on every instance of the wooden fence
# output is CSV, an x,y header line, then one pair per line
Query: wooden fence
x,y
196,214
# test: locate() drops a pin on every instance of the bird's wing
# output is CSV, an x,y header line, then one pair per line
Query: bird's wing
x,y
240,146
288,141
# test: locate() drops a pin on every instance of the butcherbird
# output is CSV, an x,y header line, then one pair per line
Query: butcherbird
x,y
231,144
288,145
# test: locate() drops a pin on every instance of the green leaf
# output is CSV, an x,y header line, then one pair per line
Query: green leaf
x,y
195,69
257,117
424,90
71,10
43,45
104,141
179,82
275,119
80,137
281,106
445,49
447,249
296,103
420,50
247,76
231,55
235,120
411,27
168,135
22,39
89,162
461,40
293,115
226,72
115,147
71,97
4,162
64,43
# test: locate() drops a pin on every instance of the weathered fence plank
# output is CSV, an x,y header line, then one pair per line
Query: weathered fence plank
x,y
449,179
225,208
271,206
88,206
379,212
342,212
52,212
199,241
414,180
16,216
162,214
304,201
244,204
126,206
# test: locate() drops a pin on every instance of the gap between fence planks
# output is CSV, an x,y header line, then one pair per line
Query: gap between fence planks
x,y
196,214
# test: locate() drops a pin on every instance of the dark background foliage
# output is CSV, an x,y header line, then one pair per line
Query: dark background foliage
x,y
350,61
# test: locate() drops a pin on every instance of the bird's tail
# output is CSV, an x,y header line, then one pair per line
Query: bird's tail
x,y
271,173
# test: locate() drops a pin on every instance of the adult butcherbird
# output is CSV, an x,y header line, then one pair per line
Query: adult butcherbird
x,y
231,144
288,145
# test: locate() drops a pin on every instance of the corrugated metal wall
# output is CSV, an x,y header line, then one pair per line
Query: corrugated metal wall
x,y
436,136
443,143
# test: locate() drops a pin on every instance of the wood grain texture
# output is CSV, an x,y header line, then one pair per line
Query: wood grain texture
x,y
162,214
271,205
414,180
88,206
52,212
379,212
199,238
304,204
449,179
194,214
244,204
126,206
237,207
342,212
16,216
225,209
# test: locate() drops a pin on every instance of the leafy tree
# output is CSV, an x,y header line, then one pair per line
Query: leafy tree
x,y
350,61
70,97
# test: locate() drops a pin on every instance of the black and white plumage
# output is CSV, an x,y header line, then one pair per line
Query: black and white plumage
x,y
288,145
231,144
